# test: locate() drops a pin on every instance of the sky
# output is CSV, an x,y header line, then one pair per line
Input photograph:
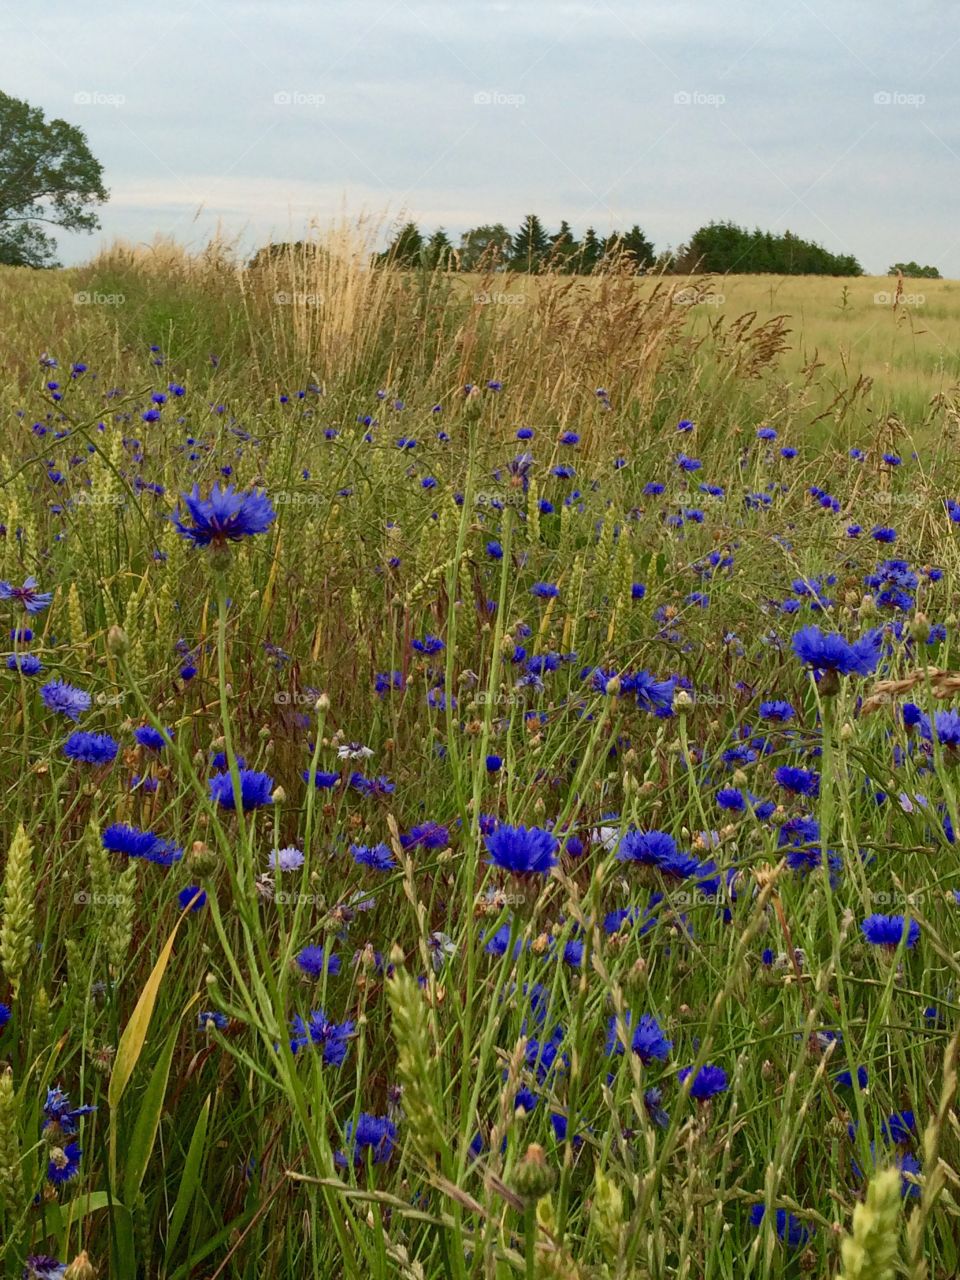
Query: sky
x,y
836,119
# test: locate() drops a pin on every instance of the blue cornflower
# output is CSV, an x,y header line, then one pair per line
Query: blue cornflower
x,y
887,931
91,748
134,843
65,699
27,663
59,1118
494,764
766,433
522,851
946,726
33,601
647,1040
212,1019
372,1136
193,897
288,859
777,711
152,738
569,437
430,835
322,780
314,961
494,550
688,464
708,1082
41,1266
256,789
833,653
545,590
637,591
64,1163
881,534
224,516
331,1038
429,644
802,781
790,1229
377,856
5,1013
731,798
647,847
652,694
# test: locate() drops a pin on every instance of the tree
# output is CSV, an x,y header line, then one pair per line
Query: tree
x,y
639,248
484,248
406,249
563,250
529,245
913,270
591,251
47,174
298,251
438,254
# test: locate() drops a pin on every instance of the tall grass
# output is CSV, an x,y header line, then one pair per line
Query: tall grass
x,y
443,627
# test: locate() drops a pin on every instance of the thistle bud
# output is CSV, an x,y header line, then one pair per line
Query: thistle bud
x,y
534,1178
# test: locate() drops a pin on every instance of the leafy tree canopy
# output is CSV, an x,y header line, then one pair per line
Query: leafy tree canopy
x,y
47,175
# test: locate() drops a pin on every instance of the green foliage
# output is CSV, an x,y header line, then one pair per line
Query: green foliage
x,y
913,270
721,247
47,174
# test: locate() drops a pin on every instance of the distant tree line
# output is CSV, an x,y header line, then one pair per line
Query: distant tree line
x,y
714,249
914,271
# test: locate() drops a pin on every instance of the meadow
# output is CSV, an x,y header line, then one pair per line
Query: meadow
x,y
479,774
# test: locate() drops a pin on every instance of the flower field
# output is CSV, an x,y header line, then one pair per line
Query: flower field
x,y
479,790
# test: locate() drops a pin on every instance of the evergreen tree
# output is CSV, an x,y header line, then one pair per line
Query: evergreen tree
x,y
529,245
640,249
563,250
591,251
438,252
406,250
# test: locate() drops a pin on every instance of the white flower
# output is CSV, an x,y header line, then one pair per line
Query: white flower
x,y
354,751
